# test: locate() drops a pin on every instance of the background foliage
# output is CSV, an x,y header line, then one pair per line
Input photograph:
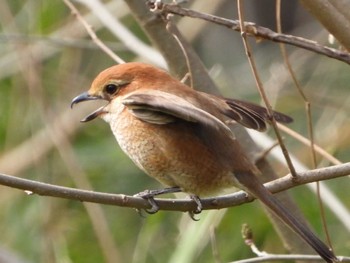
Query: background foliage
x,y
46,58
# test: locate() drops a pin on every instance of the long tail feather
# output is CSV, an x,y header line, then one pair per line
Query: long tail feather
x,y
254,187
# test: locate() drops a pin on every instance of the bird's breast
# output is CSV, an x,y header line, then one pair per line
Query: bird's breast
x,y
171,153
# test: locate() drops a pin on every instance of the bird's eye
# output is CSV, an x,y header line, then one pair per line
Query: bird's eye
x,y
111,88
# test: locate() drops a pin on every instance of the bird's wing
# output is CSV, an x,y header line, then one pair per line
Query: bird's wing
x,y
251,115
160,107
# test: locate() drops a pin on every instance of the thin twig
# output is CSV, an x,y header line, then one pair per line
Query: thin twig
x,y
92,34
296,83
172,29
307,142
262,91
309,119
114,25
284,257
258,31
265,152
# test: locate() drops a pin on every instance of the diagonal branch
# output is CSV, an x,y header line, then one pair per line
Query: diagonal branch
x,y
254,30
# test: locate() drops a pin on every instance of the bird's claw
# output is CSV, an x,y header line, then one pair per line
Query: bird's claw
x,y
198,209
150,194
154,206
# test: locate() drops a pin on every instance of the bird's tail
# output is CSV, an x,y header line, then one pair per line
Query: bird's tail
x,y
257,189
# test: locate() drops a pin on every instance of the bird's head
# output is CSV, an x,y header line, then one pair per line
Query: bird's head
x,y
114,82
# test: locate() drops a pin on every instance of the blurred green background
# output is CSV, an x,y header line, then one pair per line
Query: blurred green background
x,y
46,59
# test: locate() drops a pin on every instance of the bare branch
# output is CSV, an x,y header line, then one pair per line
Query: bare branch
x,y
308,143
258,31
282,257
238,198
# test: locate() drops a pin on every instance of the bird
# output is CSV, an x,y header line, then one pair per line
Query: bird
x,y
180,136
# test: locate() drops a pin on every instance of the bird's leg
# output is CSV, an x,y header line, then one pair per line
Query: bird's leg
x,y
198,202
150,194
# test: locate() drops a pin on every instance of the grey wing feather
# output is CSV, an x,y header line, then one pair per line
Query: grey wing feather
x,y
251,115
160,107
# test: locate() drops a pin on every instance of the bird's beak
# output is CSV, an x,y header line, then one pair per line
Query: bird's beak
x,y
84,97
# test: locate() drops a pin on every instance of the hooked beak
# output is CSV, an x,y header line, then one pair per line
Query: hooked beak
x,y
84,97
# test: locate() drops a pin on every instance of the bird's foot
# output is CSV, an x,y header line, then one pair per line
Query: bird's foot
x,y
199,208
150,194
